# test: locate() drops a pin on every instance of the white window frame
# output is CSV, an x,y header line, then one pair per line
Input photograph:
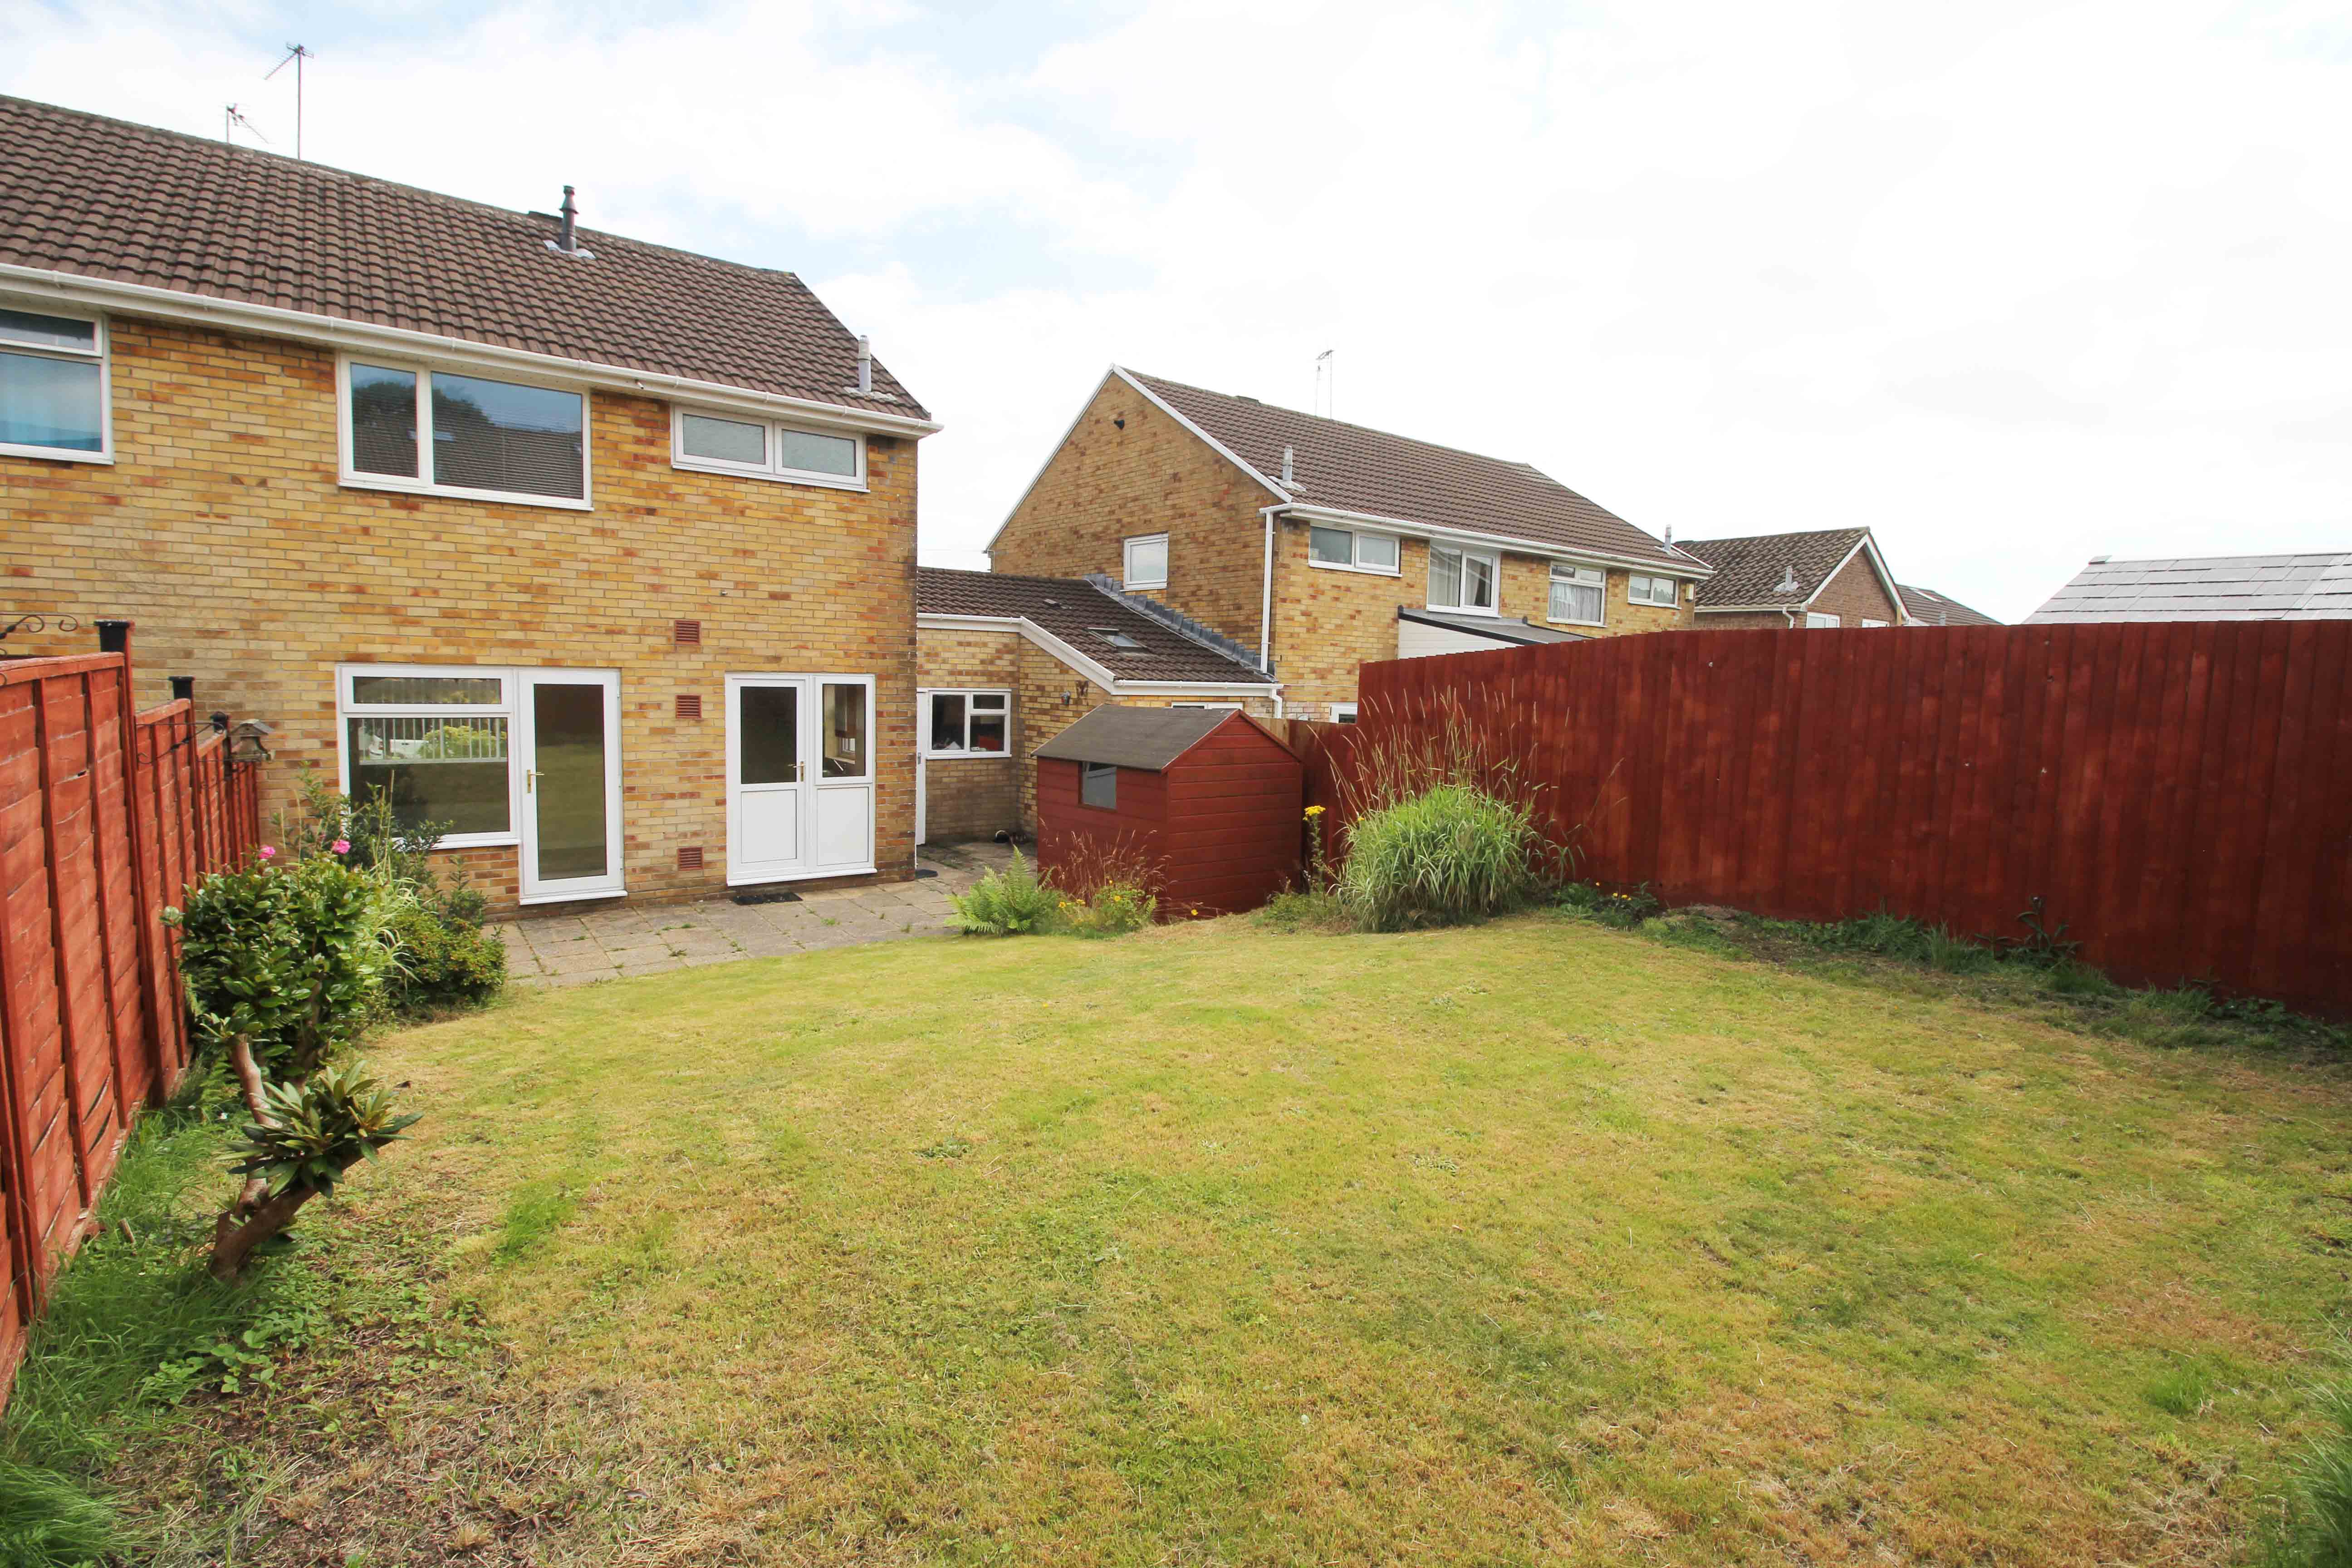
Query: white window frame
x,y
923,707
771,471
1355,562
1126,577
351,477
1868,621
1343,713
1221,706
1582,577
1816,620
1673,591
509,707
1493,560
104,356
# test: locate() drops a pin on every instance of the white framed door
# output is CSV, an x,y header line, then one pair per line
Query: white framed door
x,y
570,724
799,776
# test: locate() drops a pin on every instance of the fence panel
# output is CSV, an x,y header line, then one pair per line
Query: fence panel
x,y
105,815
2173,793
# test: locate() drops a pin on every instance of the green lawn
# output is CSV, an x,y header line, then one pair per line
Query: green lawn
x,y
1533,1242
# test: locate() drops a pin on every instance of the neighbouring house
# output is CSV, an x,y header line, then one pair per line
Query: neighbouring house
x,y
1925,607
1318,545
598,553
1205,806
1005,663
2316,588
1827,577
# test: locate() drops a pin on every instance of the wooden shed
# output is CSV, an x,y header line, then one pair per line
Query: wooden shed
x,y
1204,796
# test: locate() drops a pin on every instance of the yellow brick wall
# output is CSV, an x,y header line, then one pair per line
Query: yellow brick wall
x,y
1106,484
970,797
1328,624
222,531
1853,594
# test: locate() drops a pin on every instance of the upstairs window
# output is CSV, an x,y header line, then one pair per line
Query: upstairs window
x,y
409,428
1576,594
969,724
1661,591
728,443
1341,547
1815,620
1145,562
53,401
1461,580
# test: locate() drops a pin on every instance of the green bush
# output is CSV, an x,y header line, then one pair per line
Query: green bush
x,y
1312,908
444,961
1624,910
1004,903
1451,853
1113,909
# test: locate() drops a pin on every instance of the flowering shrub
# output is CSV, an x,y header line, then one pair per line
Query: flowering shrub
x,y
1624,910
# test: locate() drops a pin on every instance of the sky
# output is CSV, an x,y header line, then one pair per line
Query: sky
x,y
2013,284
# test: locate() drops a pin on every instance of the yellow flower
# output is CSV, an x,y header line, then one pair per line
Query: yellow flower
x,y
1313,811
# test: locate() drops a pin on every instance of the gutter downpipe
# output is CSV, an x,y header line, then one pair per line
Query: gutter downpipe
x,y
1265,603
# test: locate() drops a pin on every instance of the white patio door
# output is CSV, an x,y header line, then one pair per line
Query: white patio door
x,y
570,744
799,776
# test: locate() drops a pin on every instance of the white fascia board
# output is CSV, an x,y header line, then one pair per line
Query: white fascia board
x,y
171,304
1100,674
1204,688
1696,571
1886,578
1051,452
1227,453
1748,609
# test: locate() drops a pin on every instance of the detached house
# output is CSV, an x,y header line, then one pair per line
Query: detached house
x,y
600,552
1315,545
1827,577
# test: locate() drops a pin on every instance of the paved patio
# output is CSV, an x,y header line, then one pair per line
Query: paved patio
x,y
619,941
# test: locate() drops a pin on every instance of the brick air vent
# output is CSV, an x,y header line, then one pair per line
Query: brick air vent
x,y
689,706
690,857
686,634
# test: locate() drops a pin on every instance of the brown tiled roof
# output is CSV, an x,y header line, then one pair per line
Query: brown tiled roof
x,y
1930,608
1352,468
1751,570
1079,612
105,199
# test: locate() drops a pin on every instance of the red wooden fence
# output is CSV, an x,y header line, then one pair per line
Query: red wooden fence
x,y
105,815
2179,794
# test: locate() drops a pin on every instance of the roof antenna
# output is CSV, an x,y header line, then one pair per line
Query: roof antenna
x,y
1327,374
298,54
1788,583
232,120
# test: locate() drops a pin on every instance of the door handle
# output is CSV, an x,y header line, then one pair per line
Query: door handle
x,y
800,772
528,775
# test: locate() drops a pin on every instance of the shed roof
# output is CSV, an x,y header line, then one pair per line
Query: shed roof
x,y
108,200
2206,588
1146,738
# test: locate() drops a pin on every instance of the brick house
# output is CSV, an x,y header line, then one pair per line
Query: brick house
x,y
599,552
1318,545
1925,607
1006,663
1828,577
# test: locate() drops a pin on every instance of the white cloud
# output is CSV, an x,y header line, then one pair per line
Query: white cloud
x,y
2013,284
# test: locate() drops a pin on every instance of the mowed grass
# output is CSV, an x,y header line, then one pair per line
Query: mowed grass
x,y
1532,1242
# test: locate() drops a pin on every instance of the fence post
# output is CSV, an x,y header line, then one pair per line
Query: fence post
x,y
68,1046
108,959
114,636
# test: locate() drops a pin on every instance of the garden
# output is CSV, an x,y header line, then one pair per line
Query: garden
x,y
1472,1215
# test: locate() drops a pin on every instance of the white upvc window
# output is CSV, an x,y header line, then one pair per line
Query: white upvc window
x,y
715,443
1346,549
1222,707
438,740
1814,619
1577,593
1661,591
1343,712
1462,580
968,723
1144,562
54,395
410,427
1868,621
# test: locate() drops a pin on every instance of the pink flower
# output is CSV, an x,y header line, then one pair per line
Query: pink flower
x,y
341,846
267,853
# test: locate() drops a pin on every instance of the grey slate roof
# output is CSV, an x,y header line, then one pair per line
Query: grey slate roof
x,y
1750,571
1080,613
106,199
1352,469
1930,608
1519,631
2206,588
1146,738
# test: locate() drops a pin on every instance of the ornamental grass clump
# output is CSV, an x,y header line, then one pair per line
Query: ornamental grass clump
x,y
1451,853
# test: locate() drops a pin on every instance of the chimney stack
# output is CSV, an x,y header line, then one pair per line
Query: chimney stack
x,y
865,363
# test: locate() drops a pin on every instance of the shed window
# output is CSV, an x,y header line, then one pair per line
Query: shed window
x,y
969,724
53,387
1145,564
1662,591
408,427
1459,580
1576,594
1099,785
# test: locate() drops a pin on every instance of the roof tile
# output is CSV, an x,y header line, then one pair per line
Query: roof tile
x,y
1079,612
